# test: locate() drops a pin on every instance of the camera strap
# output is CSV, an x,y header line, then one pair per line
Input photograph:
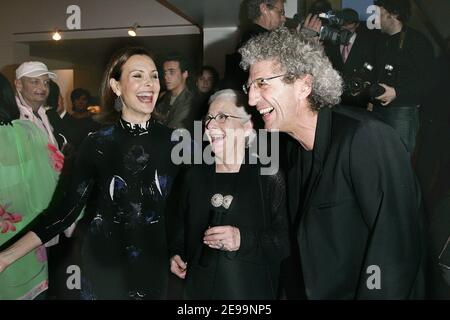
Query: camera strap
x,y
402,40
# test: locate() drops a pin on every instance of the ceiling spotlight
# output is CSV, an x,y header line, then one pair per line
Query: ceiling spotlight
x,y
132,31
56,36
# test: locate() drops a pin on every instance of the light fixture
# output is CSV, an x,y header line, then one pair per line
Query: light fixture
x,y
56,35
132,31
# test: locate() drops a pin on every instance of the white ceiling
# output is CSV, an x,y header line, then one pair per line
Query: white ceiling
x,y
207,13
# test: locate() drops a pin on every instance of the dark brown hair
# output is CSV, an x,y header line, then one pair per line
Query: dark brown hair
x,y
8,107
114,70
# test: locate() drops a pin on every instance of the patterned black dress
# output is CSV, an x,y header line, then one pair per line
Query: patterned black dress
x,y
126,172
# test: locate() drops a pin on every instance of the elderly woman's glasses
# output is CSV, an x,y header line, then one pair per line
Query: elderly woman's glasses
x,y
259,83
220,118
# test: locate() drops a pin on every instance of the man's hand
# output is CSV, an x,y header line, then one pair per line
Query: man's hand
x,y
312,25
388,96
178,266
226,238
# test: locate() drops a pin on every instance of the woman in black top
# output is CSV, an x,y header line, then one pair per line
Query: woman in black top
x,y
232,224
125,168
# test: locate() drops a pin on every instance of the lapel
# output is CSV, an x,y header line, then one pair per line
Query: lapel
x,y
353,53
293,176
294,153
321,146
181,99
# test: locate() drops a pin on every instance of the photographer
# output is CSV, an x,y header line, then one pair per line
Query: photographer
x,y
262,16
349,59
403,59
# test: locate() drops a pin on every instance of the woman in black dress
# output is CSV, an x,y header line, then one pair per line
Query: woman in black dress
x,y
126,172
232,227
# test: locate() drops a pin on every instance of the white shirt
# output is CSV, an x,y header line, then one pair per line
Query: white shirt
x,y
350,43
26,113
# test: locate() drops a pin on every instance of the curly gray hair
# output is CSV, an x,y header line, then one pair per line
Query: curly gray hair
x,y
253,11
297,56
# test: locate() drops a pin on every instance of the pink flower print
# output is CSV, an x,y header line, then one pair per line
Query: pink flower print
x,y
56,157
7,220
41,254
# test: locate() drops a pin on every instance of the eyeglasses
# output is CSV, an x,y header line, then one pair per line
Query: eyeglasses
x,y
220,118
260,82
280,11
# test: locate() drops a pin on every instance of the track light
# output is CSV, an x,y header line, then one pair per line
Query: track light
x,y
132,31
56,35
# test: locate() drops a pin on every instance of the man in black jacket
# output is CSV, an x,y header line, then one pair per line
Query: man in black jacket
x,y
409,55
263,16
352,195
349,59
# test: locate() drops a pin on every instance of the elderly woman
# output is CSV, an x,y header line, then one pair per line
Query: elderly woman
x,y
124,252
235,223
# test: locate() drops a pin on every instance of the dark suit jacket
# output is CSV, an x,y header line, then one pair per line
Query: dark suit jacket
x,y
360,209
362,51
179,115
412,56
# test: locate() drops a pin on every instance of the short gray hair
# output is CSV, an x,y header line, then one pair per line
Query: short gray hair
x,y
297,56
237,97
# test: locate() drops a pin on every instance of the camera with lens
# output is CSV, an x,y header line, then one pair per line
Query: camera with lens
x,y
331,28
361,83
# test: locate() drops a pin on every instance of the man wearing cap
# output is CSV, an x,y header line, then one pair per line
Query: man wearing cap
x,y
32,85
350,58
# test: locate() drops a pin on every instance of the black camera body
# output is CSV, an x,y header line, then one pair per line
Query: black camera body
x,y
331,30
361,83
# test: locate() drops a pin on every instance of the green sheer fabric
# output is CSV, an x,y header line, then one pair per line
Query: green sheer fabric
x,y
27,182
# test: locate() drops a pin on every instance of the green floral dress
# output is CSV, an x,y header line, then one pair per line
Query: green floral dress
x,y
29,168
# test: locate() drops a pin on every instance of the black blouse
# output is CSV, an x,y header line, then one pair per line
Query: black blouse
x,y
258,209
127,172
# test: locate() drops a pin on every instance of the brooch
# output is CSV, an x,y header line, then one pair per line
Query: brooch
x,y
218,200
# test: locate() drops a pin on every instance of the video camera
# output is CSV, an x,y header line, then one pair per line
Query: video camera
x,y
331,28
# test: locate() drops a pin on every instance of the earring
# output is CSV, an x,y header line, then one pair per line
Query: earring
x,y
118,104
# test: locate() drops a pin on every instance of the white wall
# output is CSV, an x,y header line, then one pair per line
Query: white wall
x,y
65,83
290,7
24,21
218,42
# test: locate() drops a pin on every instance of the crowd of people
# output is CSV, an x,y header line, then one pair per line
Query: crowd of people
x,y
342,216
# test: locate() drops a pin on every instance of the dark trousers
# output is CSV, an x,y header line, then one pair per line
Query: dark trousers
x,y
405,120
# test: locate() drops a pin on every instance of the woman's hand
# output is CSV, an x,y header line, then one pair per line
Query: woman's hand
x,y
3,264
21,247
227,238
178,266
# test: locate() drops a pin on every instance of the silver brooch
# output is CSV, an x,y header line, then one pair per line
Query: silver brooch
x,y
218,200
227,201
